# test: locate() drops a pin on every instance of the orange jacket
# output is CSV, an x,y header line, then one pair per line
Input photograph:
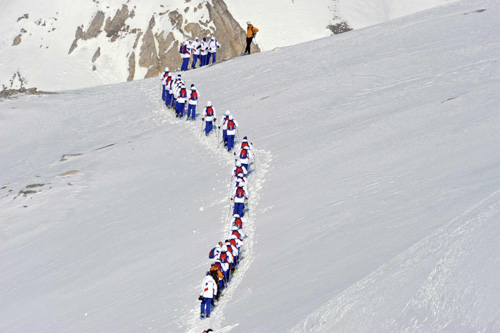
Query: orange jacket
x,y
251,31
219,273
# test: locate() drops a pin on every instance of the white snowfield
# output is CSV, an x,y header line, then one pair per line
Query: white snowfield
x,y
374,200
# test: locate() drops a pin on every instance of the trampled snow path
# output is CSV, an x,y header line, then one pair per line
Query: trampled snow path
x,y
258,168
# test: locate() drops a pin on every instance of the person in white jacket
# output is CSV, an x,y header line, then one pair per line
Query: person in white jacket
x,y
208,291
223,123
209,117
195,50
240,193
244,155
185,51
239,170
204,52
193,96
232,125
213,45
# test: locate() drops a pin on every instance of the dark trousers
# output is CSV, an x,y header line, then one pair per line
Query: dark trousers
x,y
249,41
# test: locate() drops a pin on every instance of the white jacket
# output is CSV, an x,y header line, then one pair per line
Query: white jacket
x,y
223,122
232,132
208,287
195,47
245,171
191,102
232,249
209,118
242,199
244,160
204,48
188,52
213,45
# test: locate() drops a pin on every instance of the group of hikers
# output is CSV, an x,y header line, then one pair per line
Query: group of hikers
x,y
205,51
226,255
183,100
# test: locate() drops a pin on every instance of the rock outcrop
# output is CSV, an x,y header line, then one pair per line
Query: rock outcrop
x,y
93,31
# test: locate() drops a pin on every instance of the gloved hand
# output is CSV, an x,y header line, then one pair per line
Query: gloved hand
x,y
200,298
202,119
218,127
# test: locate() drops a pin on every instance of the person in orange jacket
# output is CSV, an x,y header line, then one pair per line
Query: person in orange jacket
x,y
251,33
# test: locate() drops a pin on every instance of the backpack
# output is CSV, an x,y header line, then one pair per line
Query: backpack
x,y
232,241
223,257
211,254
244,144
210,111
239,223
243,154
183,49
240,192
237,234
194,95
230,125
239,170
183,92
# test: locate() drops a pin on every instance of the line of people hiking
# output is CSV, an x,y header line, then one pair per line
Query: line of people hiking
x,y
226,255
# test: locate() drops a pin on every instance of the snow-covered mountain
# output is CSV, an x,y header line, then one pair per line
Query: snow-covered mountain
x,y
374,196
58,45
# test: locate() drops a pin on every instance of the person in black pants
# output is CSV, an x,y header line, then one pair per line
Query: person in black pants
x,y
251,33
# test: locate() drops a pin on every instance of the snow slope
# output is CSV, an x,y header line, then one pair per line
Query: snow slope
x,y
289,22
374,199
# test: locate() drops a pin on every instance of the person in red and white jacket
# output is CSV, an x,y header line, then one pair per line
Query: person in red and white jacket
x,y
208,292
231,125
185,51
209,117
193,96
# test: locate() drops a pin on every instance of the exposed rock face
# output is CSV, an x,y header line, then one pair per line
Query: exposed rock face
x,y
97,54
157,48
93,31
17,40
169,59
229,33
148,58
117,24
131,67
339,28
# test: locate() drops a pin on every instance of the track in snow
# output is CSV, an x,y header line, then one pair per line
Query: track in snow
x,y
256,178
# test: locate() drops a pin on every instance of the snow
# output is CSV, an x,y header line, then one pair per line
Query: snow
x,y
373,200
43,58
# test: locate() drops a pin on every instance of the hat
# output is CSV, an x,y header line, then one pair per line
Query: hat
x,y
209,103
244,138
238,163
236,215
192,85
228,113
230,117
248,23
166,69
213,38
196,39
